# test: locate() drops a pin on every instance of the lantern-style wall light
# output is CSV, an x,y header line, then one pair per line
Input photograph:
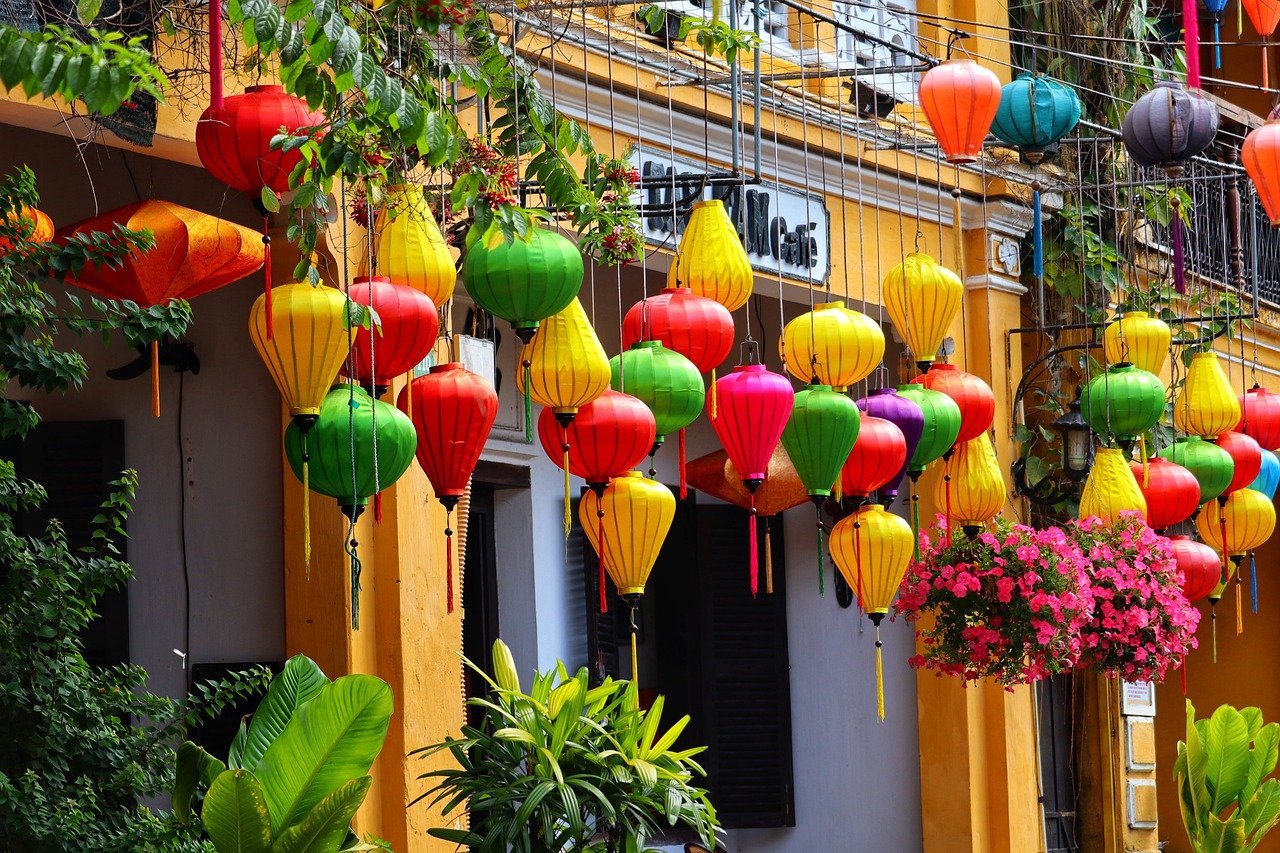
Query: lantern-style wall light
x,y
1077,441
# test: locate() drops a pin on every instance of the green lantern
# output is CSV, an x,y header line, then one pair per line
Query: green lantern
x,y
1123,402
1212,466
941,425
819,436
664,380
1035,113
524,281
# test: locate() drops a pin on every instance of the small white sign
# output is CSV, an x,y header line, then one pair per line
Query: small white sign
x,y
479,356
1138,699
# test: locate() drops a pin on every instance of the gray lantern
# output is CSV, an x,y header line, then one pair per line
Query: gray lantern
x,y
1168,126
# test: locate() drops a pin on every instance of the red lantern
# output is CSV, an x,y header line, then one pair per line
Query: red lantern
x,y
407,331
1171,491
960,98
754,406
877,455
1200,566
975,398
1247,456
453,412
233,139
698,328
608,437
1260,417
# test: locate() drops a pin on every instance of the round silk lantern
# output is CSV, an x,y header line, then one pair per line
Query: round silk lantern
x,y
698,328
1209,464
1242,521
638,513
665,381
408,325
960,99
1111,488
453,413
1034,114
1268,475
902,412
975,399
872,549
409,247
877,456
1246,458
972,492
1206,405
755,404
832,345
1260,155
30,224
922,298
1260,417
1200,565
1138,338
1171,492
309,346
1168,126
711,260
941,425
819,436
525,281
233,139
1123,402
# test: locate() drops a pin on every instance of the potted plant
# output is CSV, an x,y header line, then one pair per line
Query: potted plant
x,y
1006,605
567,767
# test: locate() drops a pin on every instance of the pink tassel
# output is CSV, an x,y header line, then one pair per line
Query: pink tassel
x,y
1179,261
215,53
754,559
1191,37
684,485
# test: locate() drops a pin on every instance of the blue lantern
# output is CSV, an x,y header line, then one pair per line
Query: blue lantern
x,y
1269,476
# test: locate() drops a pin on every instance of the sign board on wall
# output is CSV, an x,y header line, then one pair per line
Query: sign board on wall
x,y
784,229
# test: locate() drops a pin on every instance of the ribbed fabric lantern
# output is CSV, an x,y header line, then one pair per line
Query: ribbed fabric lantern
x,y
698,328
1138,338
755,404
1268,475
941,425
1168,126
975,399
922,298
638,513
1233,526
960,98
1260,155
1200,565
1264,15
31,224
1260,417
358,447
1111,488
309,345
1034,114
408,246
525,281
1123,402
711,260
408,325
832,345
665,381
877,456
1209,464
906,415
976,492
1246,458
453,413
1171,492
1206,405
872,549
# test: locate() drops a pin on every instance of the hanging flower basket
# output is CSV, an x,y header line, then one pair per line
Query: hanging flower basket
x,y
1142,624
1007,605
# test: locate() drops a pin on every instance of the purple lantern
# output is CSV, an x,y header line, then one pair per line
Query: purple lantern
x,y
887,403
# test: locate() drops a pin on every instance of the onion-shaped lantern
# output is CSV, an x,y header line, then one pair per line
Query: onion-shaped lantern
x,y
906,415
1111,488
524,281
405,334
408,246
1200,565
1268,475
973,491
975,399
960,99
711,260
1168,126
877,456
1171,492
1206,405
1138,338
1260,417
1233,526
665,381
941,425
698,328
233,139
832,345
1246,458
1035,113
922,298
1209,464
1123,402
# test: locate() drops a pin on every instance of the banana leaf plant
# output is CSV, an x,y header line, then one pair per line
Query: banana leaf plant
x,y
567,767
297,770
1227,802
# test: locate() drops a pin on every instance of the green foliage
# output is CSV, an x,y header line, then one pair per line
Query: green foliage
x,y
296,772
1227,801
713,35
567,767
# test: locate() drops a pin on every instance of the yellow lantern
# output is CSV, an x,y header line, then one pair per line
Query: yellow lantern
x,y
1234,525
309,341
972,491
626,526
711,260
833,345
1111,488
872,548
409,246
1206,406
567,365
922,298
1138,338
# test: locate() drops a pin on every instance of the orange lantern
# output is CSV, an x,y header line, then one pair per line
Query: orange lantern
x,y
1260,155
960,98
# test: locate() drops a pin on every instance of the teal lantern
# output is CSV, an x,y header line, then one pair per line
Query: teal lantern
x,y
941,426
524,281
1212,466
1123,402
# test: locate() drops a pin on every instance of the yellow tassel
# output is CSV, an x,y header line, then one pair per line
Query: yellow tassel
x,y
715,396
879,677
568,516
408,396
1213,621
635,656
1239,20
957,229
837,489
768,559
1146,467
1239,609
155,379
306,513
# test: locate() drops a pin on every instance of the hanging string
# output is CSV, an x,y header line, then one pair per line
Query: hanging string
x,y
1213,626
377,508
915,517
1179,262
1037,232
1239,605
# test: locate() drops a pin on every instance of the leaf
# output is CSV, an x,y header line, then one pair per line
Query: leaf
x,y
1226,742
1263,809
270,201
235,814
330,740
300,680
1036,470
194,766
325,827
87,10
1262,758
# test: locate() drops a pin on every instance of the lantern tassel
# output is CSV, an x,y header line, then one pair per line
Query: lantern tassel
x,y
155,379
377,508
879,676
1037,234
528,404
1213,628
1191,39
1217,44
1239,20
1266,67
753,558
1253,580
715,396
915,521
354,554
266,275
822,555
768,558
408,396
306,506
568,515
1146,463
1179,264
946,478
635,655
1239,606
684,483
448,562
604,590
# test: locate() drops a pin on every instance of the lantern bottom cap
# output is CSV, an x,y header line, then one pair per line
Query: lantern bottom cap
x,y
631,590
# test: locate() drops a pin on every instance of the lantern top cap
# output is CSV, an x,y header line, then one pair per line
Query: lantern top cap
x,y
753,367
708,202
1204,355
634,475
448,365
829,306
265,88
648,345
882,391
371,279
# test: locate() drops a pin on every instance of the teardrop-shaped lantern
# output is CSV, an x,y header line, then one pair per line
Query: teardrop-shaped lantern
x,y
877,456
976,493
1240,523
233,139
1140,339
1111,488
941,425
1260,417
1123,402
922,298
665,381
1246,459
974,397
819,436
1200,565
608,437
960,98
872,549
524,281
1171,492
1168,126
1035,113
1260,155
1268,475
832,345
309,344
711,260
409,247
698,328
1209,464
406,332
902,412
567,365
1263,14
1206,405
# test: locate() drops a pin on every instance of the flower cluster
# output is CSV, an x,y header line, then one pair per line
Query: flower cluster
x,y
496,173
1142,624
1007,605
431,15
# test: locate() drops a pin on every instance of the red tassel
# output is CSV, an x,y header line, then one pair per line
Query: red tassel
x,y
266,273
448,566
377,508
684,485
754,560
604,590
947,478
